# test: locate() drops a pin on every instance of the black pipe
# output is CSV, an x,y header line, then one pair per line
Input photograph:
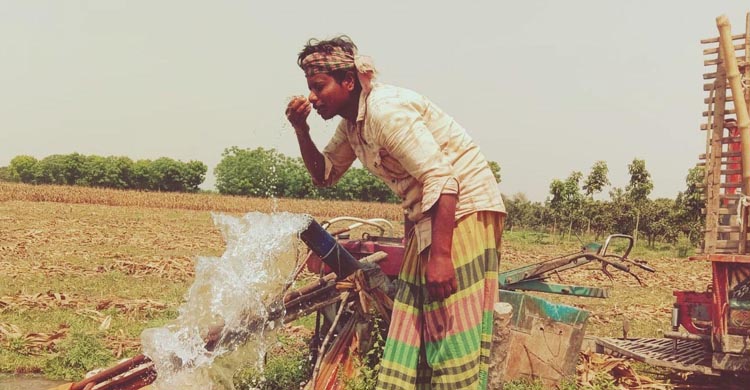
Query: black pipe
x,y
325,246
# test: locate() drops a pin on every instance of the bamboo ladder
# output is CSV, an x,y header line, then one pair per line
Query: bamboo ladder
x,y
722,160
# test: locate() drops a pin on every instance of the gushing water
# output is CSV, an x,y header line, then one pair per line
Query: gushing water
x,y
259,260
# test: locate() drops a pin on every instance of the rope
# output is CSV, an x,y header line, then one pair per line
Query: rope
x,y
357,284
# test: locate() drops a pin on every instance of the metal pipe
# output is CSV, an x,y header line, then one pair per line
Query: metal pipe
x,y
686,336
325,246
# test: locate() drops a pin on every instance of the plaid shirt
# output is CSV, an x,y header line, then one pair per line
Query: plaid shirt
x,y
418,150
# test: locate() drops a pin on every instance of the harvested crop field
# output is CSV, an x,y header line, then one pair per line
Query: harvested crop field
x,y
107,264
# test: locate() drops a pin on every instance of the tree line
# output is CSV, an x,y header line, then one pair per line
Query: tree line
x,y
162,174
266,172
570,206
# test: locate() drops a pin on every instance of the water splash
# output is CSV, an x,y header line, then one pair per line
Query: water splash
x,y
258,262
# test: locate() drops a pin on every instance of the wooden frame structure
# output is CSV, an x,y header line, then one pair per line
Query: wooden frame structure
x,y
723,156
727,186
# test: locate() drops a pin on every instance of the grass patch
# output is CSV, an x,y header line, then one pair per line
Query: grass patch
x,y
286,367
78,354
599,383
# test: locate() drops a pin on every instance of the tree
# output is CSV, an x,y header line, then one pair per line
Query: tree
x,y
601,217
694,192
253,172
597,179
108,172
22,168
5,174
638,188
495,167
176,176
359,184
59,169
640,185
594,183
688,205
657,220
621,212
567,198
193,174
296,182
522,213
141,177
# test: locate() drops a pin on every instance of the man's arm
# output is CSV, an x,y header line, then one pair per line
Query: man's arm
x,y
440,274
296,112
314,161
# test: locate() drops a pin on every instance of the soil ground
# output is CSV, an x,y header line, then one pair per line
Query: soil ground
x,y
111,271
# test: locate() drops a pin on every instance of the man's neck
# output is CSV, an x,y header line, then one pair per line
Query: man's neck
x,y
352,108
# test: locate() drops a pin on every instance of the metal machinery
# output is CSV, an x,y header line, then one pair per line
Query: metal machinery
x,y
711,329
546,337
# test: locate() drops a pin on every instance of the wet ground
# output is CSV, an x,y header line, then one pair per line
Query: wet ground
x,y
27,383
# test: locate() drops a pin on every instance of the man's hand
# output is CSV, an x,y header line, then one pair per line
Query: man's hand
x,y
440,277
297,111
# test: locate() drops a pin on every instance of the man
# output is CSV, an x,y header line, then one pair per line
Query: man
x,y
441,325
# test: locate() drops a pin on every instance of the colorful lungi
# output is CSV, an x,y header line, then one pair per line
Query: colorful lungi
x,y
446,344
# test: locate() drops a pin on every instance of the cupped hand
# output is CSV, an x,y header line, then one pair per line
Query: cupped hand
x,y
297,111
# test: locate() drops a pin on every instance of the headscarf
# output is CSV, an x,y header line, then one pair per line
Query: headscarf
x,y
337,59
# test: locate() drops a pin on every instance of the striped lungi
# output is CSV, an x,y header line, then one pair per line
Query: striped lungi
x,y
445,344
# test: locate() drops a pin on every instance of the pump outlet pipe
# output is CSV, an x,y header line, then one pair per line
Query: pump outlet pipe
x,y
325,246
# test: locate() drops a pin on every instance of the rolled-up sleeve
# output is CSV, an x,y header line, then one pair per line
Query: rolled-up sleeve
x,y
400,129
338,156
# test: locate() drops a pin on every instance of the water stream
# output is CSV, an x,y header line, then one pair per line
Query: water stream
x,y
228,292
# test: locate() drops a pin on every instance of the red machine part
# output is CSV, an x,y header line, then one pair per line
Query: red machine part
x,y
694,310
729,272
733,163
709,312
366,246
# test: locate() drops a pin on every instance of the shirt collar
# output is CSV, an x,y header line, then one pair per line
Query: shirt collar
x,y
362,109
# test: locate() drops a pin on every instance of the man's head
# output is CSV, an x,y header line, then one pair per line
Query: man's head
x,y
339,47
334,75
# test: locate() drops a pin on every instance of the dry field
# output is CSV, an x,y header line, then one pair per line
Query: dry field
x,y
111,263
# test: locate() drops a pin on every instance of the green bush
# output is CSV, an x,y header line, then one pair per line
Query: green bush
x,y
684,246
77,355
369,367
566,384
6,175
282,371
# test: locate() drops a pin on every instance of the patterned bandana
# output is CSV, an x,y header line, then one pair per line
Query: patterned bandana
x,y
338,59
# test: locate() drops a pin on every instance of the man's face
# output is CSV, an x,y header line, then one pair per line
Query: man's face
x,y
328,96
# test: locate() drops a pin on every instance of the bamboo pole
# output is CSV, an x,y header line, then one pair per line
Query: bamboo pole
x,y
733,75
716,39
713,159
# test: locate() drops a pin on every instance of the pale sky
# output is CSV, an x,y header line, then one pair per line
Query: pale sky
x,y
544,87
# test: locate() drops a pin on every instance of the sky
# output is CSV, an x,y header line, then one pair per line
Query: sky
x,y
545,88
